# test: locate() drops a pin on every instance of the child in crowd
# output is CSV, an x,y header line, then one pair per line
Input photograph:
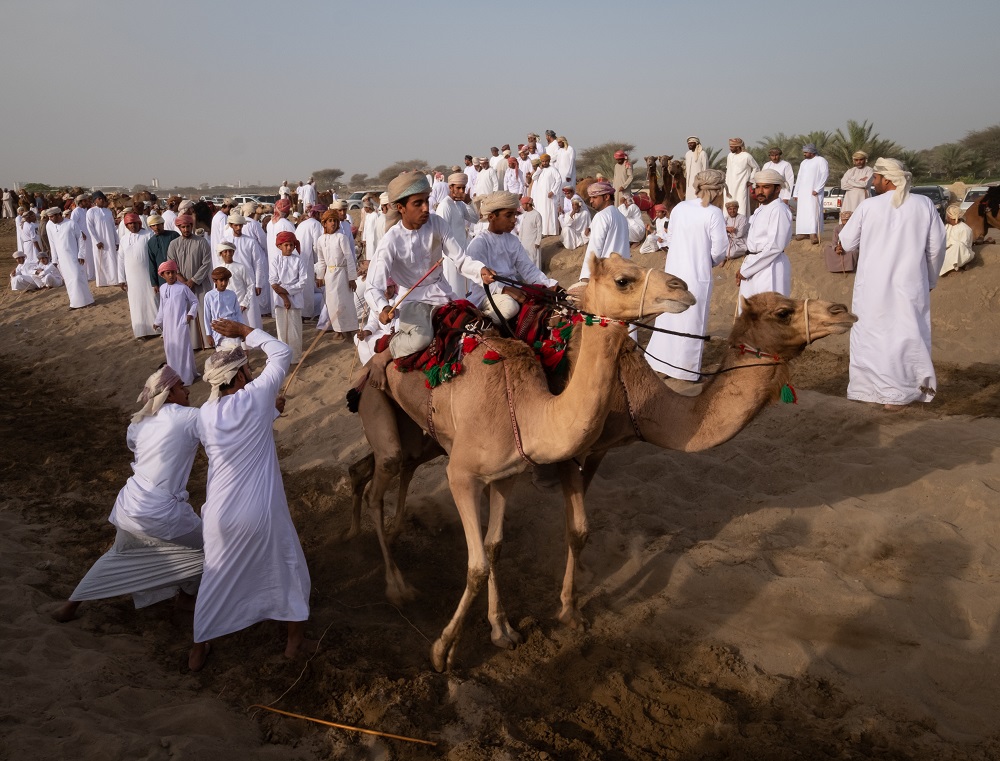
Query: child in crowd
x,y
178,307
289,278
242,284
222,303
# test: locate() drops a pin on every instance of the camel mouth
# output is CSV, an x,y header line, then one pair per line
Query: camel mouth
x,y
674,304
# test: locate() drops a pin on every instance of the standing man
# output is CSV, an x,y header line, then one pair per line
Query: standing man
x,y
8,204
486,181
470,171
902,241
284,191
79,217
170,215
307,195
103,241
156,247
64,238
695,162
308,232
457,211
530,231
622,181
219,225
545,189
608,228
133,272
813,174
766,266
740,166
566,163
855,182
783,168
254,566
193,256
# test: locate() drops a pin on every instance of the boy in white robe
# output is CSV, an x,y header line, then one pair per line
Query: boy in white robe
x,y
289,279
254,566
765,266
241,283
657,231
221,303
20,276
633,216
178,307
157,551
456,209
529,230
959,236
45,274
133,276
336,272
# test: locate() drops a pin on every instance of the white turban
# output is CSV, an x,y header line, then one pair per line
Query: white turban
x,y
895,172
236,219
769,177
248,208
156,391
954,211
457,178
223,365
383,199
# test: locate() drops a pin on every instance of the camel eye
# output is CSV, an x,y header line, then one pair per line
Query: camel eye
x,y
783,314
621,282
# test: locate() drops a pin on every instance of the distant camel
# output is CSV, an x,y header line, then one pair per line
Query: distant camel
x,y
674,182
655,189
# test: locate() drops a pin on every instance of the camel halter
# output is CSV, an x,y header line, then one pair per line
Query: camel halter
x,y
642,296
808,334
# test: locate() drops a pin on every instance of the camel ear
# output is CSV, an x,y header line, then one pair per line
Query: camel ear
x,y
616,257
595,264
744,305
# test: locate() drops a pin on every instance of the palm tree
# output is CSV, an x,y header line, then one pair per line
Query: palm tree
x,y
715,157
954,160
858,137
915,162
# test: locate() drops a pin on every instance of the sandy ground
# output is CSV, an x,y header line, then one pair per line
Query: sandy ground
x,y
823,586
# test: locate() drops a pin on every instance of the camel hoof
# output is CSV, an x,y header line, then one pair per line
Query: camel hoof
x,y
573,619
398,592
352,533
508,640
440,656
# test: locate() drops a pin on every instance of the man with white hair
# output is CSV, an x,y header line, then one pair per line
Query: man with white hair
x,y
766,266
103,241
737,227
695,162
782,167
64,238
608,228
855,182
503,253
697,242
457,211
254,566
740,165
902,243
157,551
959,236
410,251
813,173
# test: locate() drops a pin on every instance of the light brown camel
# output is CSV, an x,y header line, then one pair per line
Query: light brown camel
x,y
495,419
643,406
984,214
583,185
674,182
655,188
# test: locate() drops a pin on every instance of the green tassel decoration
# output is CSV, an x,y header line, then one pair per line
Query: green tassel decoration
x,y
788,395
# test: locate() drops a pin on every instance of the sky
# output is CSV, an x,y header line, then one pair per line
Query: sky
x,y
211,91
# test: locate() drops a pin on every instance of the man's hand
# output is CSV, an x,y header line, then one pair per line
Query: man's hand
x,y
257,291
189,318
815,193
100,246
352,285
279,405
515,293
287,301
488,275
123,286
231,328
190,284
320,283
739,277
730,230
385,316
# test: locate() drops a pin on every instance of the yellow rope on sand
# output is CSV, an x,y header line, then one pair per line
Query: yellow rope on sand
x,y
296,370
346,726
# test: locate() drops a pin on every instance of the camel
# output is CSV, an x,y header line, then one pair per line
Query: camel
x,y
583,185
655,188
498,416
984,214
643,408
674,182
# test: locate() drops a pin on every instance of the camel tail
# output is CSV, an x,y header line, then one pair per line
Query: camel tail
x,y
354,395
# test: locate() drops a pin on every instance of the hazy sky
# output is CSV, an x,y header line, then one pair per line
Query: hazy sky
x,y
190,91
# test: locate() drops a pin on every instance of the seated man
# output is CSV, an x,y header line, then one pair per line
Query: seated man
x,y
158,546
958,236
656,237
410,253
504,255
633,215
737,228
20,276
45,274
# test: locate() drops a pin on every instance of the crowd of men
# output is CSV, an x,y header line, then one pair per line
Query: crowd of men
x,y
207,280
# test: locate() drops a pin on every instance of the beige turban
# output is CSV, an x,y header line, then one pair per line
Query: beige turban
x,y
80,198
337,205
458,178
406,185
52,211
859,155
236,219
708,185
895,172
954,211
184,206
383,200
154,219
225,246
735,142
769,177
497,201
156,391
223,365
248,208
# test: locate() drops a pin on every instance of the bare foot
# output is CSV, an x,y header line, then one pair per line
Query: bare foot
x,y
198,655
297,642
377,377
894,407
67,612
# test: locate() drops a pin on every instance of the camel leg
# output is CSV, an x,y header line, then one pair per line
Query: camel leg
x,y
503,634
576,539
590,466
467,492
361,474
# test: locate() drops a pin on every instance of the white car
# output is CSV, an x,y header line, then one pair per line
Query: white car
x,y
972,195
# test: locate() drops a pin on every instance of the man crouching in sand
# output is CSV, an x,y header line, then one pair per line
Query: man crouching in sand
x,y
405,254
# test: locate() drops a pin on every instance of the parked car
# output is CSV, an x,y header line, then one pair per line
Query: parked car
x,y
354,199
973,194
833,199
937,195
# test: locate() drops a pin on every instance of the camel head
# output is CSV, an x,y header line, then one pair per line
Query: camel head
x,y
650,163
675,168
621,289
665,161
778,325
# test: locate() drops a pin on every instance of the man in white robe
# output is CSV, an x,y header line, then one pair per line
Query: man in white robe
x,y
902,244
633,216
220,223
552,148
45,274
194,262
566,163
411,250
608,228
740,166
695,162
503,253
21,277
697,242
813,174
959,237
254,566
133,274
486,181
737,227
623,176
178,308
457,211
766,267
157,550
574,225
103,241
782,167
471,171
64,239
439,191
79,217
308,232
529,231
545,190
855,182
280,223
29,242
307,195
253,257
170,215
513,178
